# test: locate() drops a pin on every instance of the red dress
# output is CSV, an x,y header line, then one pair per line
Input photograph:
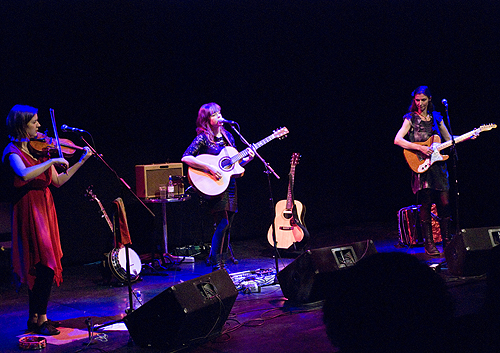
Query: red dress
x,y
35,231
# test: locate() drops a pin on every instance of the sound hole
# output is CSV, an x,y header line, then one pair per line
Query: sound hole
x,y
225,164
287,214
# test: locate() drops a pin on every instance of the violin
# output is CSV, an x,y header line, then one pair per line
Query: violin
x,y
44,145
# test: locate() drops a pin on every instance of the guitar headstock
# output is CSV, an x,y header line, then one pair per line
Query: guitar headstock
x,y
280,133
295,159
90,193
487,127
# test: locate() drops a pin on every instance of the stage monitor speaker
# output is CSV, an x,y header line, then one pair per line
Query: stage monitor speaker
x,y
188,313
467,253
148,179
305,279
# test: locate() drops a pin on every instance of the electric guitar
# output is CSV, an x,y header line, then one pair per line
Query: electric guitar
x,y
420,163
289,221
227,163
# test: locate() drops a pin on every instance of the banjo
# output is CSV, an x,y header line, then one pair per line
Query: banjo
x,y
117,258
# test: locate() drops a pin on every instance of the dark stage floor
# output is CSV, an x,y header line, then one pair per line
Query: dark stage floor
x,y
261,321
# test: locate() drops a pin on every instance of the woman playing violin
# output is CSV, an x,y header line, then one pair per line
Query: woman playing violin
x,y
36,246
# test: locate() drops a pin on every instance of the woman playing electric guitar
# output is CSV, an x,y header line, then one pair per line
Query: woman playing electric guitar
x,y
419,124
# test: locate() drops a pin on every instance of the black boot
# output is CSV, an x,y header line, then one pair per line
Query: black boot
x,y
231,255
429,245
445,226
220,263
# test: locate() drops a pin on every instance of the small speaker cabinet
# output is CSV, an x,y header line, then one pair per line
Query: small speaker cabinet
x,y
306,278
468,252
148,179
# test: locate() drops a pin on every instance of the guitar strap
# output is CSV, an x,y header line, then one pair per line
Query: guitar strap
x,y
123,224
223,132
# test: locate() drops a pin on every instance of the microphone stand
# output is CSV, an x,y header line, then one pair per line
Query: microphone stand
x,y
455,159
117,176
131,292
127,257
268,171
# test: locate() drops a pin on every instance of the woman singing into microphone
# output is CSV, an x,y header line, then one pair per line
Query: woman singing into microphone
x,y
211,139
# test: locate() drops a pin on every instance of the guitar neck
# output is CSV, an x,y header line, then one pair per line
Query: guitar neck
x,y
105,214
289,199
238,157
458,139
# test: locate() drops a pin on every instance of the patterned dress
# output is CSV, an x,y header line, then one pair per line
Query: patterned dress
x,y
227,201
35,231
436,177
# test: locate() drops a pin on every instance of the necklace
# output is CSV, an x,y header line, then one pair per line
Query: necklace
x,y
28,153
424,118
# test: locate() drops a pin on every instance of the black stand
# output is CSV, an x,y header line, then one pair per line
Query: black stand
x,y
268,171
455,160
128,281
273,227
127,257
117,176
173,259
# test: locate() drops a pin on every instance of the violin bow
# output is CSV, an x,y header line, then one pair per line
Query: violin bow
x,y
56,136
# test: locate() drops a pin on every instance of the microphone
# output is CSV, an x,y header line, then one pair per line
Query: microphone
x,y
66,128
222,120
445,103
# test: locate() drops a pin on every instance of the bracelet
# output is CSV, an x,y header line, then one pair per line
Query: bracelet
x,y
32,342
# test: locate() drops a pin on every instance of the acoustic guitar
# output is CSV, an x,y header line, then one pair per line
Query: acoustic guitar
x,y
420,163
227,163
289,221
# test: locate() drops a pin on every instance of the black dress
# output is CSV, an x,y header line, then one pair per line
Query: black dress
x,y
436,177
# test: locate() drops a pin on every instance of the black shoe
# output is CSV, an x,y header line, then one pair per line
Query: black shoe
x,y
47,329
233,260
32,326
54,323
209,262
431,250
218,266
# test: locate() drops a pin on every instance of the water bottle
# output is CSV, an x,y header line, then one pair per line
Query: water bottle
x,y
136,300
138,296
170,188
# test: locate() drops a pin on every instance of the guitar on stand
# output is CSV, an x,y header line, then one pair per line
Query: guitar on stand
x,y
289,221
227,163
117,258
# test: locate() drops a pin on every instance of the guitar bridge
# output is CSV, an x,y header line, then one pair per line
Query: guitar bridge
x,y
285,228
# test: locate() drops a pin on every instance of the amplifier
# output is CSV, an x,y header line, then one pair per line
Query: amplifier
x,y
148,179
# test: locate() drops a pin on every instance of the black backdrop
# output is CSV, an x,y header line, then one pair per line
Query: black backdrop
x,y
337,74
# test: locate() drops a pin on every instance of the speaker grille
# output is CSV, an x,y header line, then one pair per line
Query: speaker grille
x,y
148,179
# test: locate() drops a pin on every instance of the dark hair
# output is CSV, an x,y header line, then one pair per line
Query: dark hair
x,y
425,91
203,120
17,120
